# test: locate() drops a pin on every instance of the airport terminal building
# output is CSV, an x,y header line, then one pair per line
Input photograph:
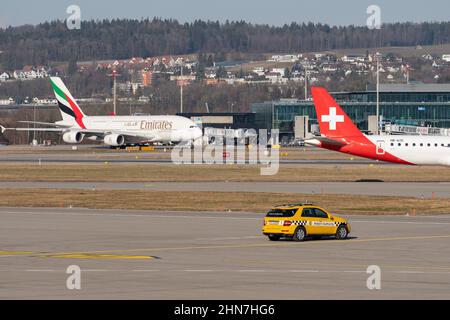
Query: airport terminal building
x,y
415,104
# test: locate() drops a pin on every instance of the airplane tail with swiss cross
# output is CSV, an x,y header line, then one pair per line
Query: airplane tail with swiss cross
x,y
339,133
333,121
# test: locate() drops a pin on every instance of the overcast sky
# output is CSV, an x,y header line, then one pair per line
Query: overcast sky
x,y
274,12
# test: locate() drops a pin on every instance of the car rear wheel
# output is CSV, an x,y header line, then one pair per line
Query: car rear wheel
x,y
273,237
341,232
299,234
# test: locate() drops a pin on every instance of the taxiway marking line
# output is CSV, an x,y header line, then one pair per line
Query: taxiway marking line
x,y
98,256
7,253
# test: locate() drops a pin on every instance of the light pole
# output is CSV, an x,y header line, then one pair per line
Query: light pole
x,y
34,126
378,93
306,84
181,88
114,75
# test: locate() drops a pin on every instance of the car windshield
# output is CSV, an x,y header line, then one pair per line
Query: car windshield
x,y
283,213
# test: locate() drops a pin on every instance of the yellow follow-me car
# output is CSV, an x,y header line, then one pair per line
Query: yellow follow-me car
x,y
300,220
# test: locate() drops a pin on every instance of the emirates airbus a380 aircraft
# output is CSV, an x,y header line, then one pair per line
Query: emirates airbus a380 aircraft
x,y
113,130
339,133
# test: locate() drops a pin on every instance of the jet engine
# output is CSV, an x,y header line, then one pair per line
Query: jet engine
x,y
73,137
114,140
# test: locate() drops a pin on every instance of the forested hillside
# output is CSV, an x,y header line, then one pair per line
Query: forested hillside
x,y
117,39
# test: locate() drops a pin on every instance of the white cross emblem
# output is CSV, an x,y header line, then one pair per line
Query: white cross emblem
x,y
332,118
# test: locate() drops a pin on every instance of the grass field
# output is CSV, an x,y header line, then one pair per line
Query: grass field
x,y
216,201
186,173
90,152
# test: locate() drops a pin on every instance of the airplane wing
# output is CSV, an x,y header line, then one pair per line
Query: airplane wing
x,y
325,141
50,124
89,132
129,136
330,141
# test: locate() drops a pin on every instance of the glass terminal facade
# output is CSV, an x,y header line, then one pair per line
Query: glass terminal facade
x,y
413,104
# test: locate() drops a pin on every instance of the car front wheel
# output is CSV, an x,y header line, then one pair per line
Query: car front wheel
x,y
341,232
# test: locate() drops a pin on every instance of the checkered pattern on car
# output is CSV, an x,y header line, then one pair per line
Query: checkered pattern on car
x,y
300,222
305,223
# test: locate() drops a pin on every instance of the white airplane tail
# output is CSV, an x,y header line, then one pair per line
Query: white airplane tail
x,y
70,110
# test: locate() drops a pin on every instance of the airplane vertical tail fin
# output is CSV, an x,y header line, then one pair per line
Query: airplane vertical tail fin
x,y
70,110
333,121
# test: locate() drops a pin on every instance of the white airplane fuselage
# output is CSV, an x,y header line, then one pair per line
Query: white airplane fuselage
x,y
406,149
152,128
419,150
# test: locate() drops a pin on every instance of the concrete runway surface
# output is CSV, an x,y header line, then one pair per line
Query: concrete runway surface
x,y
124,160
404,189
182,255
95,154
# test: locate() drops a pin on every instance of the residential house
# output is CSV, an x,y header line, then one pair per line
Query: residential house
x,y
4,77
6,102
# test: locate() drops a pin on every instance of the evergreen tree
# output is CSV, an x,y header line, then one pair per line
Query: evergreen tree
x,y
221,72
110,39
72,68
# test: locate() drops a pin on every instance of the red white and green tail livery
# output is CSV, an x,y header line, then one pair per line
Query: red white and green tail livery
x,y
70,110
112,130
339,133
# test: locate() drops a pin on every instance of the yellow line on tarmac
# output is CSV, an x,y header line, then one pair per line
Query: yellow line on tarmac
x,y
75,255
15,253
98,256
254,245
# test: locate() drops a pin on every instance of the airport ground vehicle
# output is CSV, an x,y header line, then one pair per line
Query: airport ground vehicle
x,y
301,220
